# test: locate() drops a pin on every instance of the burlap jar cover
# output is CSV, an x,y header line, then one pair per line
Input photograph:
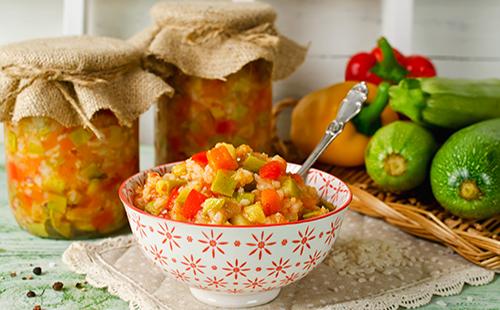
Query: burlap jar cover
x,y
214,39
69,79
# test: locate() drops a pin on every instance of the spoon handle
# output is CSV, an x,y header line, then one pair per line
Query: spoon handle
x,y
349,108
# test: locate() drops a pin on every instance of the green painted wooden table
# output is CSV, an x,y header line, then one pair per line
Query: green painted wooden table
x,y
21,252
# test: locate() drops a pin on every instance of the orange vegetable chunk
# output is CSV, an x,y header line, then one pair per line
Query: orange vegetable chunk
x,y
220,158
271,201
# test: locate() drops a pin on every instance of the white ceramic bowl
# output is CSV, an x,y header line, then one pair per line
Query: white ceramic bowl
x,y
238,266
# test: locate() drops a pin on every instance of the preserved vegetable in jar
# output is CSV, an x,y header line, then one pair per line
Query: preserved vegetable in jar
x,y
203,112
221,59
63,181
70,108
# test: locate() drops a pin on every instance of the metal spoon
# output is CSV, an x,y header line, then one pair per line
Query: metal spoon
x,y
349,108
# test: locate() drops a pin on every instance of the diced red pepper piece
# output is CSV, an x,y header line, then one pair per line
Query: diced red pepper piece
x,y
171,198
192,204
220,158
271,201
200,158
272,170
225,127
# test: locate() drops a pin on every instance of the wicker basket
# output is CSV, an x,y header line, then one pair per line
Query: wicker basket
x,y
416,212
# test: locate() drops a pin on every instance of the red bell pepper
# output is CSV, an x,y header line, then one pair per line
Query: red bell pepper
x,y
385,63
419,66
272,170
170,202
200,158
192,204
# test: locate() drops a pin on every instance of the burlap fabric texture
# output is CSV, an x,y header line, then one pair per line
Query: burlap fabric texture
x,y
69,79
214,39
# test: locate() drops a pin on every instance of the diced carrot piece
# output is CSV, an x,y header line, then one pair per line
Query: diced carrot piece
x,y
12,172
68,167
192,204
200,158
271,201
66,145
32,165
272,170
51,140
220,158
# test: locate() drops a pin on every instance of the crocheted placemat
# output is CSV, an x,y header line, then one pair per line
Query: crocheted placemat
x,y
372,266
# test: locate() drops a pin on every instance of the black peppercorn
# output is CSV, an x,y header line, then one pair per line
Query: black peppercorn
x,y
57,286
37,271
30,294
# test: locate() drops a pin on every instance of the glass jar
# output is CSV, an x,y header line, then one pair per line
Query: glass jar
x,y
63,182
203,112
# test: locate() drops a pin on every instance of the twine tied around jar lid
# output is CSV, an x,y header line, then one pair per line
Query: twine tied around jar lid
x,y
214,39
39,78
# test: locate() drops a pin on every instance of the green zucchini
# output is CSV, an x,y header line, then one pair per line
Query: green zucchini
x,y
398,156
465,173
447,103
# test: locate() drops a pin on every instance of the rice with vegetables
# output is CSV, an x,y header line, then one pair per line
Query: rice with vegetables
x,y
230,186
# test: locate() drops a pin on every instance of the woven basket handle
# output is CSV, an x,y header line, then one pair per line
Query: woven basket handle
x,y
278,144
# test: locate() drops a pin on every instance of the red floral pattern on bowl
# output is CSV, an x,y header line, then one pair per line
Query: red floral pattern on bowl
x,y
223,264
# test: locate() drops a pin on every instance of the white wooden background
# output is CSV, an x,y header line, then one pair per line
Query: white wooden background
x,y
461,36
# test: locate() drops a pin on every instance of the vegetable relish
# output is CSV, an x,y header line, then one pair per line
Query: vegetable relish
x,y
63,182
203,112
230,186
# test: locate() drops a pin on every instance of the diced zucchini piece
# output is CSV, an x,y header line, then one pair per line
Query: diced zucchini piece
x,y
164,186
37,229
116,135
254,213
93,171
247,198
290,188
81,213
213,204
183,193
35,148
239,219
253,163
224,183
59,224
328,205
229,147
153,208
240,111
80,136
57,203
93,186
83,225
311,214
54,184
11,142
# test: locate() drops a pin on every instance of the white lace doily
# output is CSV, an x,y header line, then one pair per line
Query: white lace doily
x,y
373,266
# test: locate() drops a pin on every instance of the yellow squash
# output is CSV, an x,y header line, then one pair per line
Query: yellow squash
x,y
315,111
